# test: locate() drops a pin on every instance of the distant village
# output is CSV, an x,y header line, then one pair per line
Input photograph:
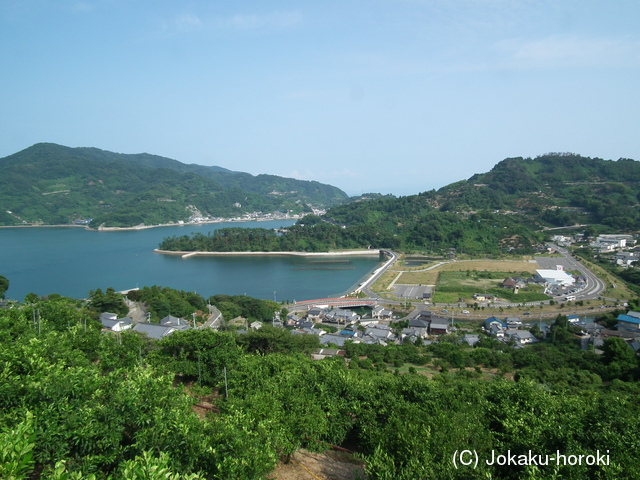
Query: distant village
x,y
620,250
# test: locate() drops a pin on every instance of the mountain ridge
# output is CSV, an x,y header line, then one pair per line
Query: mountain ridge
x,y
49,183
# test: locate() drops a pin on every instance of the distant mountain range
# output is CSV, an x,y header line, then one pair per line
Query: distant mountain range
x,y
52,184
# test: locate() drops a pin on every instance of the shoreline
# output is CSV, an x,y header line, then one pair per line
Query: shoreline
x,y
145,227
187,254
45,226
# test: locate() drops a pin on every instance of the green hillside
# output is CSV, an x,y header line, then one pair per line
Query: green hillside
x,y
505,210
52,184
553,190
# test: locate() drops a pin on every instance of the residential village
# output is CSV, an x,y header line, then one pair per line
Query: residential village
x,y
336,326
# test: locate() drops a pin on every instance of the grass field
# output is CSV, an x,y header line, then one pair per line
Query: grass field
x,y
483,276
430,277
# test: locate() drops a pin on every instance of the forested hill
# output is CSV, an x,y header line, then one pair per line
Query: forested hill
x,y
558,188
503,210
509,203
54,184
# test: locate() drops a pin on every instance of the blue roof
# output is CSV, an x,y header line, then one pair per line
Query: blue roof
x,y
490,320
628,319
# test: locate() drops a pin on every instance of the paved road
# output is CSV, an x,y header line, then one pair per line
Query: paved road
x,y
594,286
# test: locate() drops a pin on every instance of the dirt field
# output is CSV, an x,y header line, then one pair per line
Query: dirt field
x,y
328,465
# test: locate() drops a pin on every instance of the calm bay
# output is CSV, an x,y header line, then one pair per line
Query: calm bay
x,y
72,261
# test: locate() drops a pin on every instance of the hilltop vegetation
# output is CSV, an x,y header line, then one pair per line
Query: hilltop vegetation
x,y
504,210
553,190
76,403
53,184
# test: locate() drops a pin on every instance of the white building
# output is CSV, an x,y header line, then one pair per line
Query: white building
x,y
555,277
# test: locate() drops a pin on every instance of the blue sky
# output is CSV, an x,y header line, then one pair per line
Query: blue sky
x,y
390,96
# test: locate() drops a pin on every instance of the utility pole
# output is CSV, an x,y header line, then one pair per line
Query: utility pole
x,y
226,387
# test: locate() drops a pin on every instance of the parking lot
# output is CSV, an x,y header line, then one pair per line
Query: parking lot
x,y
551,263
411,291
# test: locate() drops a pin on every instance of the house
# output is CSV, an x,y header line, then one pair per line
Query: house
x,y
341,316
380,334
513,322
323,353
412,334
170,320
380,312
305,324
626,259
496,330
494,320
256,325
116,325
471,339
438,328
367,322
629,322
315,313
318,332
426,315
158,332
349,333
495,327
334,339
292,319
521,337
419,323
418,327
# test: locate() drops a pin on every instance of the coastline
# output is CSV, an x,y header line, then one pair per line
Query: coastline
x,y
142,226
44,226
186,254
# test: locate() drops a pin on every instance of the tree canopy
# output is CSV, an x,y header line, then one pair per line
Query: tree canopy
x,y
77,403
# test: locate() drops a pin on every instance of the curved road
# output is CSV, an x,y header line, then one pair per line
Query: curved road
x,y
594,286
